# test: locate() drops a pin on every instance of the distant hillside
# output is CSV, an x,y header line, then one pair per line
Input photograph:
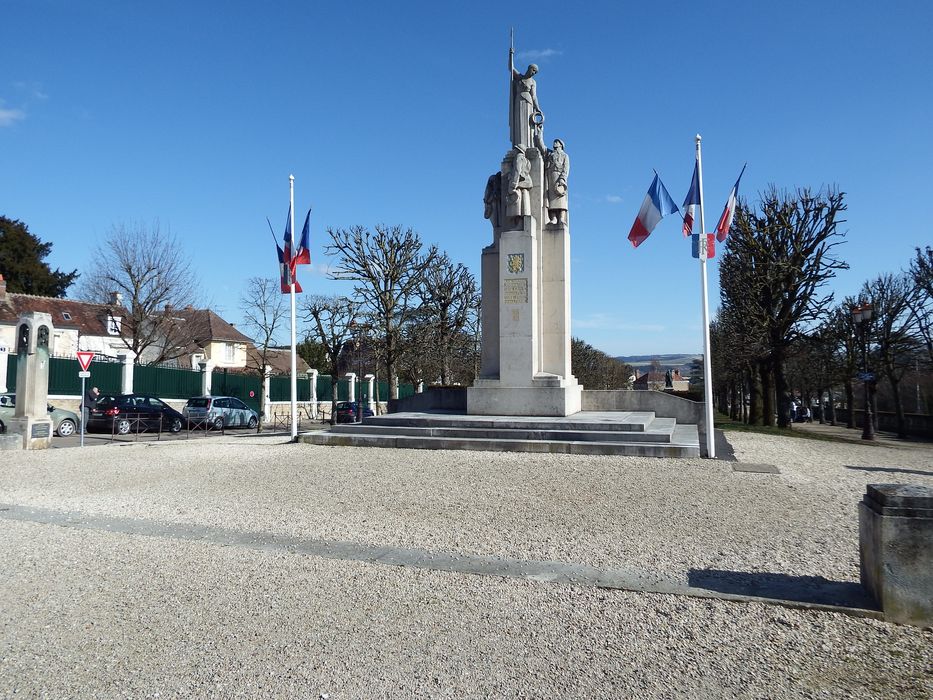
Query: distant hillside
x,y
643,362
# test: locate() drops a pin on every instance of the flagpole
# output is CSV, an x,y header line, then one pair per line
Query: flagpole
x,y
707,357
294,378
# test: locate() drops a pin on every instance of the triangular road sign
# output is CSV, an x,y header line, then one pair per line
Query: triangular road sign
x,y
84,359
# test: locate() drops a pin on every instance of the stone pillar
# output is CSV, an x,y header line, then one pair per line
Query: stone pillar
x,y
207,371
896,551
312,373
371,391
420,388
351,390
266,386
4,363
126,374
34,332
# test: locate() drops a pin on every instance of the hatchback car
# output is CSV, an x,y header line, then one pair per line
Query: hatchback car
x,y
220,412
130,413
64,423
347,411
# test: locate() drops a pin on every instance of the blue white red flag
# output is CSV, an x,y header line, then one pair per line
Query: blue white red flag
x,y
692,200
725,221
302,254
286,275
657,205
288,235
710,245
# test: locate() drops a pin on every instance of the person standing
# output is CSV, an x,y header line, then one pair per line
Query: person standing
x,y
89,402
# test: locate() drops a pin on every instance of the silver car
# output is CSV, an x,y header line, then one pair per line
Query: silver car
x,y
220,412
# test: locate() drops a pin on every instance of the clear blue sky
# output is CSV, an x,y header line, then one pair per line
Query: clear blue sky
x,y
195,113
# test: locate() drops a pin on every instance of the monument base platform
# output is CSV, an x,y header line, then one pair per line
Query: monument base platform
x,y
550,397
636,433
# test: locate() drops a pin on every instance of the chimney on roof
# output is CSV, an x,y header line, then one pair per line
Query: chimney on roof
x,y
2,288
116,299
168,308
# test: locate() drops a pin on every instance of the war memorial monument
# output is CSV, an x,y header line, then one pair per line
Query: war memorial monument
x,y
526,397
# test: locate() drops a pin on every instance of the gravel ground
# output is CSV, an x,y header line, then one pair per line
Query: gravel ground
x,y
90,613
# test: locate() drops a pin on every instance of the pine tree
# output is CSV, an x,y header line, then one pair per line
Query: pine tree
x,y
22,264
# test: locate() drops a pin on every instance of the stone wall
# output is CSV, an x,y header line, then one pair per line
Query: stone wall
x,y
918,424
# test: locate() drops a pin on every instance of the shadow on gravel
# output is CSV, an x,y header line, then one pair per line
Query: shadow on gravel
x,y
800,589
724,450
893,470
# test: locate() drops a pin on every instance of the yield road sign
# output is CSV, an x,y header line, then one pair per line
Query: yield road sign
x,y
84,374
84,359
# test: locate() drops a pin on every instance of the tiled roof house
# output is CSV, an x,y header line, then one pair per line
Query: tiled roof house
x,y
78,325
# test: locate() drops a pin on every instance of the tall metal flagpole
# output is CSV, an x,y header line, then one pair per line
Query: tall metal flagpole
x,y
294,377
707,357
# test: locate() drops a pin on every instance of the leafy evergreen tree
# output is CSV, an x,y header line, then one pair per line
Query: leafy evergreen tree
x,y
22,264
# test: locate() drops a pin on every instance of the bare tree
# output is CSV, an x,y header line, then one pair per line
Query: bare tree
x,y
265,315
332,320
781,258
449,303
387,267
151,272
921,272
892,332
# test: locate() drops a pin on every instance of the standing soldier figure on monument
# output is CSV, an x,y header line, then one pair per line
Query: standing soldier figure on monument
x,y
558,170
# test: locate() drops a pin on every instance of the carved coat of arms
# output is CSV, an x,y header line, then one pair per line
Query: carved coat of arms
x,y
516,262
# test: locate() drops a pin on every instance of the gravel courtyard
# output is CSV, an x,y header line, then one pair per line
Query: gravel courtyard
x,y
113,609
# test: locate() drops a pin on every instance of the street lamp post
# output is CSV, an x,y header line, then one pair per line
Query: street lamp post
x,y
861,314
359,361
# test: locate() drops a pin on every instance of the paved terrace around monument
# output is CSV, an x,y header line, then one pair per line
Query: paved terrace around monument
x,y
191,568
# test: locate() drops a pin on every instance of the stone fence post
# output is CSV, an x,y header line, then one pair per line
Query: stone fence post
x,y
207,370
126,376
352,388
312,373
4,358
371,392
266,386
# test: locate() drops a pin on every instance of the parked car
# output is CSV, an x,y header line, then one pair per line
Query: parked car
x,y
220,412
64,423
129,413
347,411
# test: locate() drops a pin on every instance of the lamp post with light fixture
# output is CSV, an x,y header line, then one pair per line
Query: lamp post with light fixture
x,y
861,314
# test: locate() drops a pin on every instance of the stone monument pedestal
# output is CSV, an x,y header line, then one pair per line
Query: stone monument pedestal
x,y
31,419
35,432
896,551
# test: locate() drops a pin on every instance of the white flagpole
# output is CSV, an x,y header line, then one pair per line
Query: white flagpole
x,y
294,377
707,357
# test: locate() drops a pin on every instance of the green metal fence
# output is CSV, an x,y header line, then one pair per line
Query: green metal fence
x,y
166,382
280,388
343,389
245,387
63,376
11,373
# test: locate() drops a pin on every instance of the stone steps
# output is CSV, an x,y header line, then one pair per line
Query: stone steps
x,y
659,430
591,433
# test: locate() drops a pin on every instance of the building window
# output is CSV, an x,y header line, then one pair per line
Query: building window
x,y
66,315
113,325
229,354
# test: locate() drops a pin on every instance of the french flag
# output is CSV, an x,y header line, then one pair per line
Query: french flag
x,y
692,200
725,221
286,271
302,252
657,205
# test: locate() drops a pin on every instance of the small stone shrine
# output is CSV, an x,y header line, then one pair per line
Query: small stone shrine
x,y
31,416
526,272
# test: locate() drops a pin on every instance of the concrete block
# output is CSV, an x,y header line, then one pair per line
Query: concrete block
x,y
896,551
